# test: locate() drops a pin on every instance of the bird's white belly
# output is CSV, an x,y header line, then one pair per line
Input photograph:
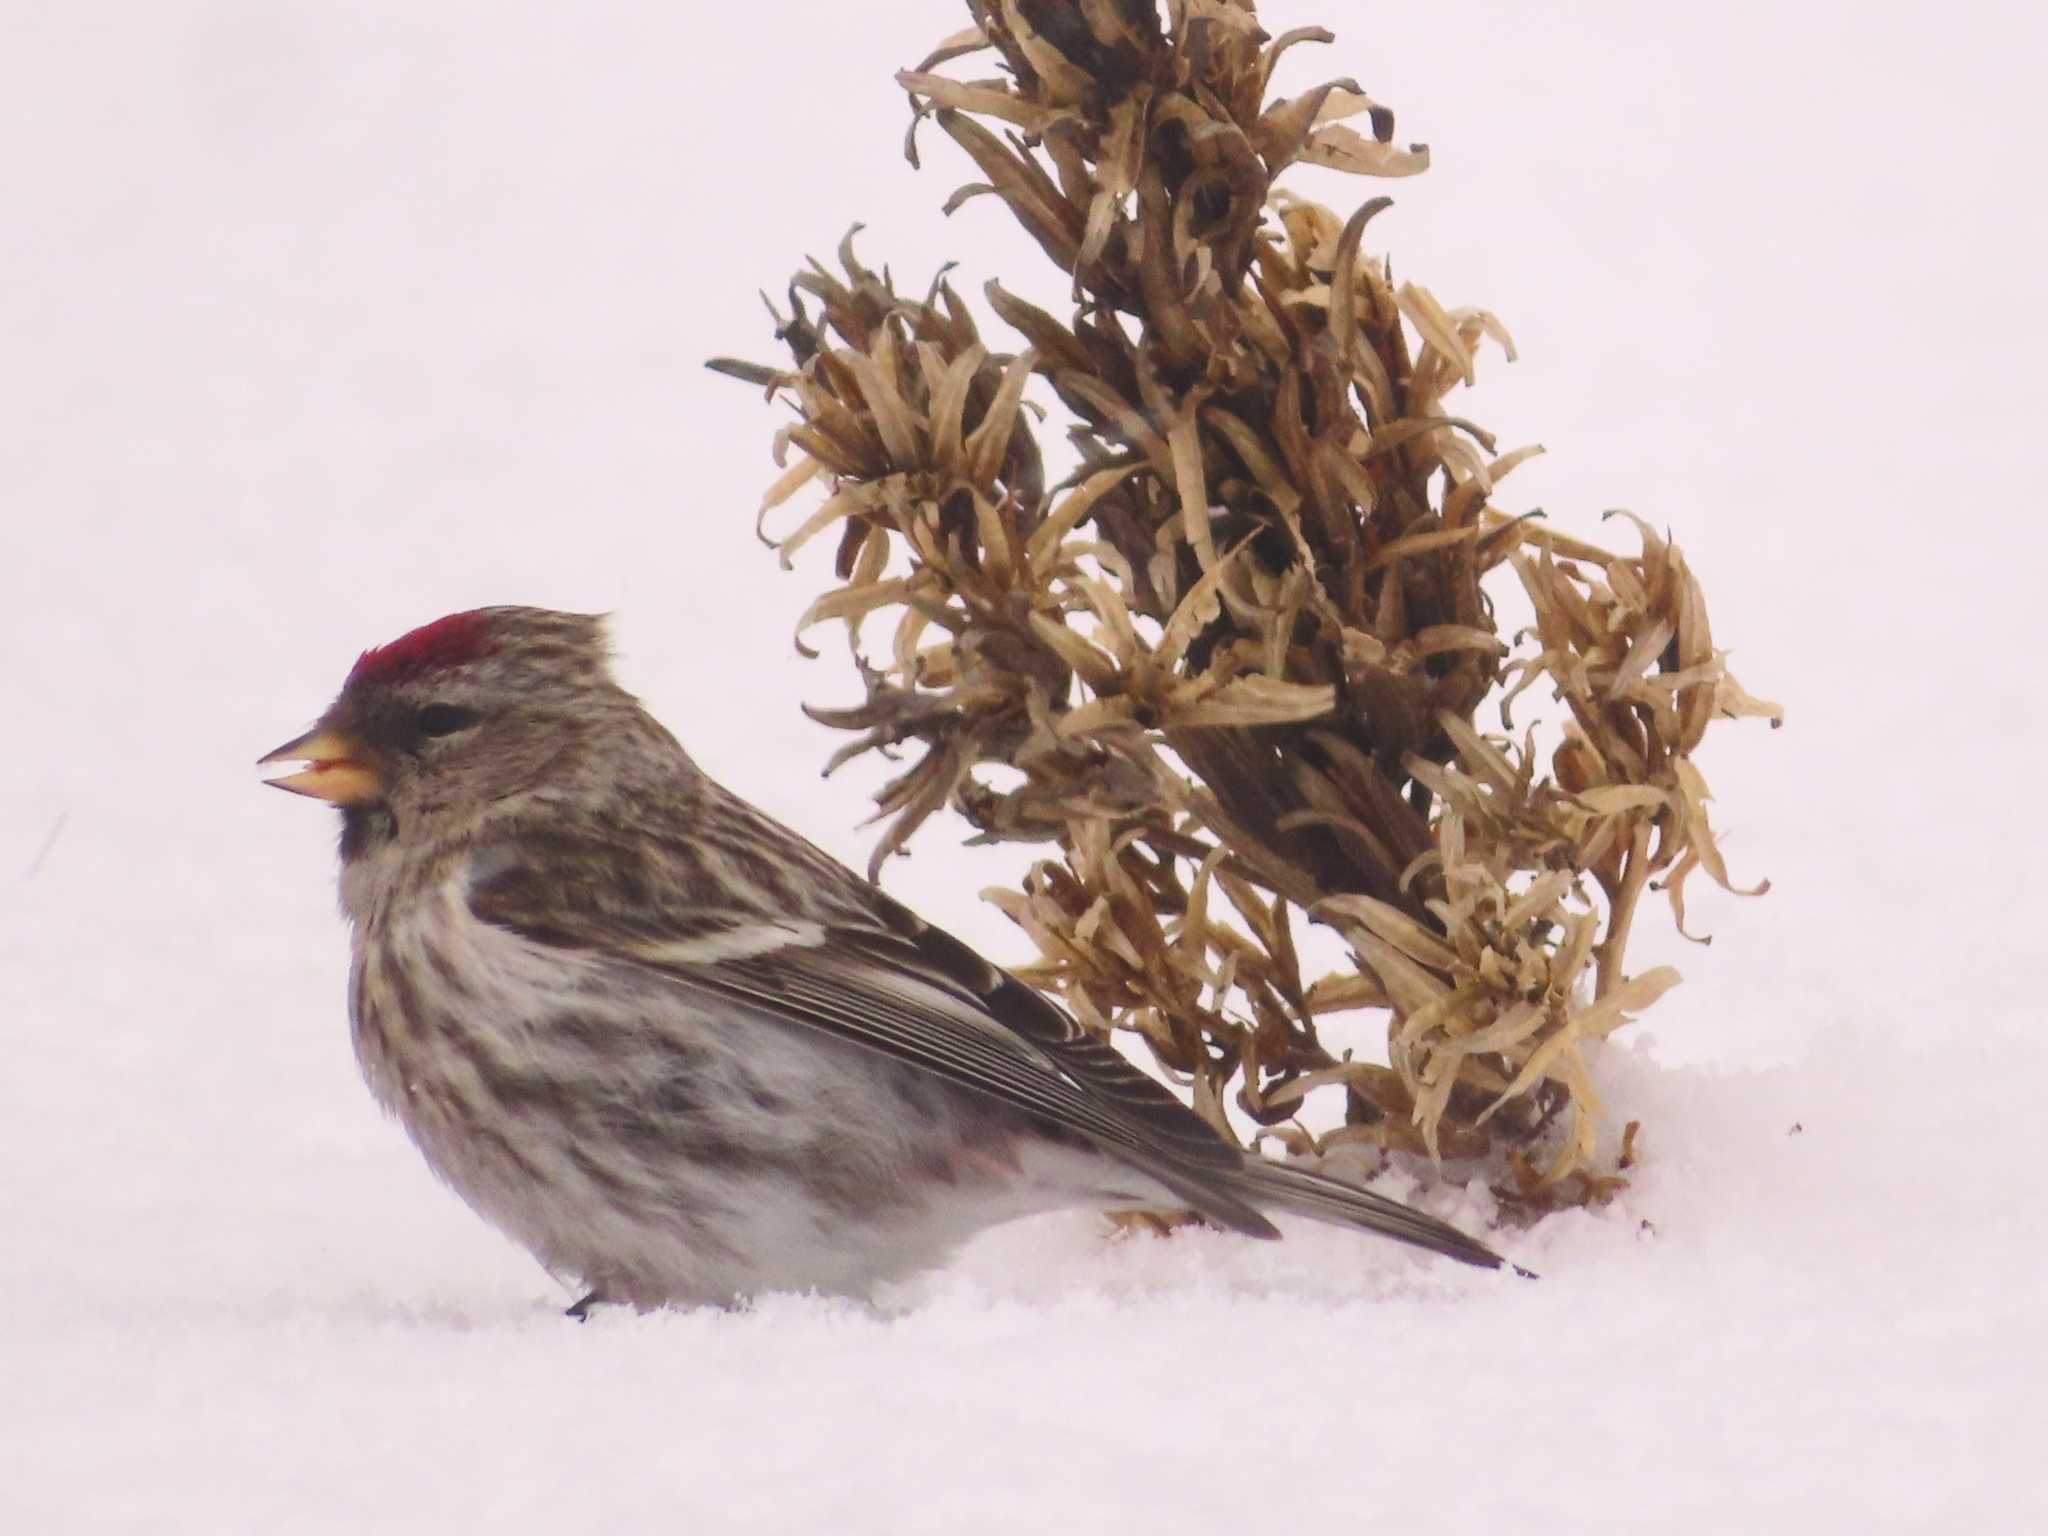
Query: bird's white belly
x,y
689,1158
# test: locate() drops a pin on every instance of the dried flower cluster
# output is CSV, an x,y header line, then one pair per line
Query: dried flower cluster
x,y
1235,656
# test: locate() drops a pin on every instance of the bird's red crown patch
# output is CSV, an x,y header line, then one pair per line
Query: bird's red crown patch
x,y
448,642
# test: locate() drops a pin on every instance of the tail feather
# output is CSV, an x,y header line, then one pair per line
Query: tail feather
x,y
1277,1186
1223,1198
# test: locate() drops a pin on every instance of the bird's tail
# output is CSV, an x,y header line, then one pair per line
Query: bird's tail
x,y
1278,1186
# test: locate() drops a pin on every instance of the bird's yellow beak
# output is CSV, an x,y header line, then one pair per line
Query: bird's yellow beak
x,y
334,771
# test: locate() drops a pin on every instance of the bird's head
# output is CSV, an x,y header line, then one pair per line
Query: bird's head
x,y
459,713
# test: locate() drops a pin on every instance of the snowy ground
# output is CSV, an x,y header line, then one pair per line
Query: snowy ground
x,y
318,321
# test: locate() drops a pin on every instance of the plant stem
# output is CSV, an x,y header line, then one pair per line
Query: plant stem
x,y
1635,874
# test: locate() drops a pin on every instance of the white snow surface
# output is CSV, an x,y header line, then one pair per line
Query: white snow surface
x,y
319,321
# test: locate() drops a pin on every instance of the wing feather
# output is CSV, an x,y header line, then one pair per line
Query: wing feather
x,y
914,993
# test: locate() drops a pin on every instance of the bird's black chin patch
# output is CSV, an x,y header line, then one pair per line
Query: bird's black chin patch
x,y
365,829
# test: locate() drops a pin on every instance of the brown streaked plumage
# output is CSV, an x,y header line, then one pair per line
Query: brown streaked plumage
x,y
676,1051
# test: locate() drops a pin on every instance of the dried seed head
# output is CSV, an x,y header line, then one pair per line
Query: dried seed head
x,y
1236,657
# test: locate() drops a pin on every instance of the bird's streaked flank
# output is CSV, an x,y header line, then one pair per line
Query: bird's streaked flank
x,y
677,1052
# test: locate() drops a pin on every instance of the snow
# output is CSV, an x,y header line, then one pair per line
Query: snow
x,y
317,322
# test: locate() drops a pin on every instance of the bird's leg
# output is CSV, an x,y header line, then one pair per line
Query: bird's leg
x,y
581,1311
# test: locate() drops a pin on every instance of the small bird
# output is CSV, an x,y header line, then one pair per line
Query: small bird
x,y
675,1051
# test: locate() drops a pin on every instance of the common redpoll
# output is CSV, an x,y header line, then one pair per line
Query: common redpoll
x,y
674,1050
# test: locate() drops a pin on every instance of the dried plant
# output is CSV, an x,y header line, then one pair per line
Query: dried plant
x,y
1235,656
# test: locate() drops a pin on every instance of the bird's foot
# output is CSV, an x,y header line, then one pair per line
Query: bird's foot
x,y
581,1311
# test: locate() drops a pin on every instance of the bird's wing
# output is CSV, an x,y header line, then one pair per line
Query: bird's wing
x,y
901,987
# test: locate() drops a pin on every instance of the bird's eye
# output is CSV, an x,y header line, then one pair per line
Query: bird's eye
x,y
443,719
